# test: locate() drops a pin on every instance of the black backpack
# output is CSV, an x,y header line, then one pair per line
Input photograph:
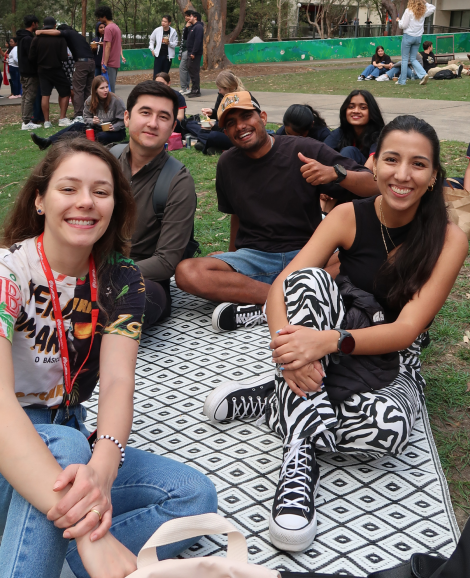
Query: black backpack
x,y
444,75
160,195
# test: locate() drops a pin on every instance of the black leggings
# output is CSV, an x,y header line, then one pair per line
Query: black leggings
x,y
104,137
157,302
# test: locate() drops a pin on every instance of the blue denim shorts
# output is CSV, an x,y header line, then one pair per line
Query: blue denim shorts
x,y
257,265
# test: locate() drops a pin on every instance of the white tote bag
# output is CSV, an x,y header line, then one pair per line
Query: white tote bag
x,y
235,565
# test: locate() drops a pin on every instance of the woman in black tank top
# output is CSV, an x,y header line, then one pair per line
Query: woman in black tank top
x,y
399,258
400,250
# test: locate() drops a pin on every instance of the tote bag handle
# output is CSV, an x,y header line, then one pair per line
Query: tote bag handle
x,y
190,527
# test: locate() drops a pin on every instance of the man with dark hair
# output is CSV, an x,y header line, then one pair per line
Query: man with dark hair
x,y
84,70
429,63
48,53
185,79
28,72
195,49
159,241
112,45
271,187
163,42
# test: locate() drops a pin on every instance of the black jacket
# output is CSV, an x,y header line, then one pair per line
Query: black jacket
x,y
48,51
359,373
195,37
27,68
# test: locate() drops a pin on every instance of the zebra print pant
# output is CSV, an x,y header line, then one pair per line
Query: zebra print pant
x,y
375,423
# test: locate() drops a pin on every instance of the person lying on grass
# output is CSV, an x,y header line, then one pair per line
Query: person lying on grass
x,y
71,307
347,350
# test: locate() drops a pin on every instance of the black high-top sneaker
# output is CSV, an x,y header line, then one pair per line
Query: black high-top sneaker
x,y
230,316
239,399
293,520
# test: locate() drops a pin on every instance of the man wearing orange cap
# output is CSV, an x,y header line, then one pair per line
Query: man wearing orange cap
x,y
271,187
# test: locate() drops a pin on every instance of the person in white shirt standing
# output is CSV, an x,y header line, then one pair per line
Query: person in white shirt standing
x,y
163,42
14,70
412,24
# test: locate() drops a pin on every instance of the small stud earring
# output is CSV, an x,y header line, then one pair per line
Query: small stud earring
x,y
39,212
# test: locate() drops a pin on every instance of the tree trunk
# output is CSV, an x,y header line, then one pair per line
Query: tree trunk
x,y
279,20
13,11
394,11
135,24
214,31
84,3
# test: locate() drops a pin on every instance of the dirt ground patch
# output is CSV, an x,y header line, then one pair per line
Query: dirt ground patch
x,y
243,71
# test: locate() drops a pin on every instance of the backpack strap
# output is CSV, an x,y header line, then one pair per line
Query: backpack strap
x,y
118,149
162,187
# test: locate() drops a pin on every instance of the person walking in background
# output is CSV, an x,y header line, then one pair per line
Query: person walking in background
x,y
97,47
104,112
185,79
112,45
412,24
48,53
84,68
163,42
14,70
28,72
195,49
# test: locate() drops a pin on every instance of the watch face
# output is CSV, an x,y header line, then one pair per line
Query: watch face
x,y
347,345
342,170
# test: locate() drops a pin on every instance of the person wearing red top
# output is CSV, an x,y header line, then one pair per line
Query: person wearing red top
x,y
112,45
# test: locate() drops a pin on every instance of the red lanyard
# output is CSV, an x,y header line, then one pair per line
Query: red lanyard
x,y
64,352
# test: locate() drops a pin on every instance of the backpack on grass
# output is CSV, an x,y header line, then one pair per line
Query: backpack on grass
x,y
444,75
160,195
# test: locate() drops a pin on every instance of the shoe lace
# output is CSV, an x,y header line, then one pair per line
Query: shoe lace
x,y
249,407
295,470
250,318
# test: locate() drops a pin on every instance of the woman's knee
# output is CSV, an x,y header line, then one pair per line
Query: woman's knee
x,y
67,445
308,276
203,495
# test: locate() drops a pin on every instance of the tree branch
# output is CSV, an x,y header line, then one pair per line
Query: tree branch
x,y
238,28
185,5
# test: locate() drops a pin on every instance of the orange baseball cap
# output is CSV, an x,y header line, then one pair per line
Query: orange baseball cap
x,y
243,99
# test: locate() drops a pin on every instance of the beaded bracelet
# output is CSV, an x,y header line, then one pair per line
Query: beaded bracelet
x,y
114,440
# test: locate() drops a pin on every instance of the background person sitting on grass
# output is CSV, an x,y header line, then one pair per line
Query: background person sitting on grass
x,y
65,253
303,120
271,186
394,73
462,182
212,141
360,124
101,107
381,62
429,63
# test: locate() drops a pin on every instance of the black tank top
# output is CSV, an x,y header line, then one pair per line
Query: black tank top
x,y
367,254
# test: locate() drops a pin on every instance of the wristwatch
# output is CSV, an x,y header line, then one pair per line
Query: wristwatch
x,y
346,345
341,172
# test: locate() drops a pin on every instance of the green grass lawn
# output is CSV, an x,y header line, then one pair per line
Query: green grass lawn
x,y
333,81
446,361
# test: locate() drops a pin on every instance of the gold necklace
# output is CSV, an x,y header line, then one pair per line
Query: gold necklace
x,y
382,218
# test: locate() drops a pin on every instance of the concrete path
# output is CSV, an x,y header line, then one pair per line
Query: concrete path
x,y
449,118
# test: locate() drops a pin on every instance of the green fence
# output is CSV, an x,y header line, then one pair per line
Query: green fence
x,y
301,50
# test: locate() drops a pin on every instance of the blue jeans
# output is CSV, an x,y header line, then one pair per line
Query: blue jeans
x,y
257,265
15,80
372,70
148,491
409,50
353,153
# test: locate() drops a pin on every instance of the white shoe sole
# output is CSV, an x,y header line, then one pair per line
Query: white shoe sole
x,y
216,397
292,540
216,314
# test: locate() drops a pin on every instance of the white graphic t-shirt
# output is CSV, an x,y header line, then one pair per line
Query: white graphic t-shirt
x,y
27,321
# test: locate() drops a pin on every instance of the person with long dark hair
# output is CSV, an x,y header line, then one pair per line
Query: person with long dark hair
x,y
303,120
97,46
71,308
103,112
380,63
353,384
360,124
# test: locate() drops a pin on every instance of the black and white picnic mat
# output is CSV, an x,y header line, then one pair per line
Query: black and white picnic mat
x,y
372,514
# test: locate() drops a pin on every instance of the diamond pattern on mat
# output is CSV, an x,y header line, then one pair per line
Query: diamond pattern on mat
x,y
372,514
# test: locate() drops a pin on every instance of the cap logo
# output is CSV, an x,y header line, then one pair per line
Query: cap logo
x,y
230,101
